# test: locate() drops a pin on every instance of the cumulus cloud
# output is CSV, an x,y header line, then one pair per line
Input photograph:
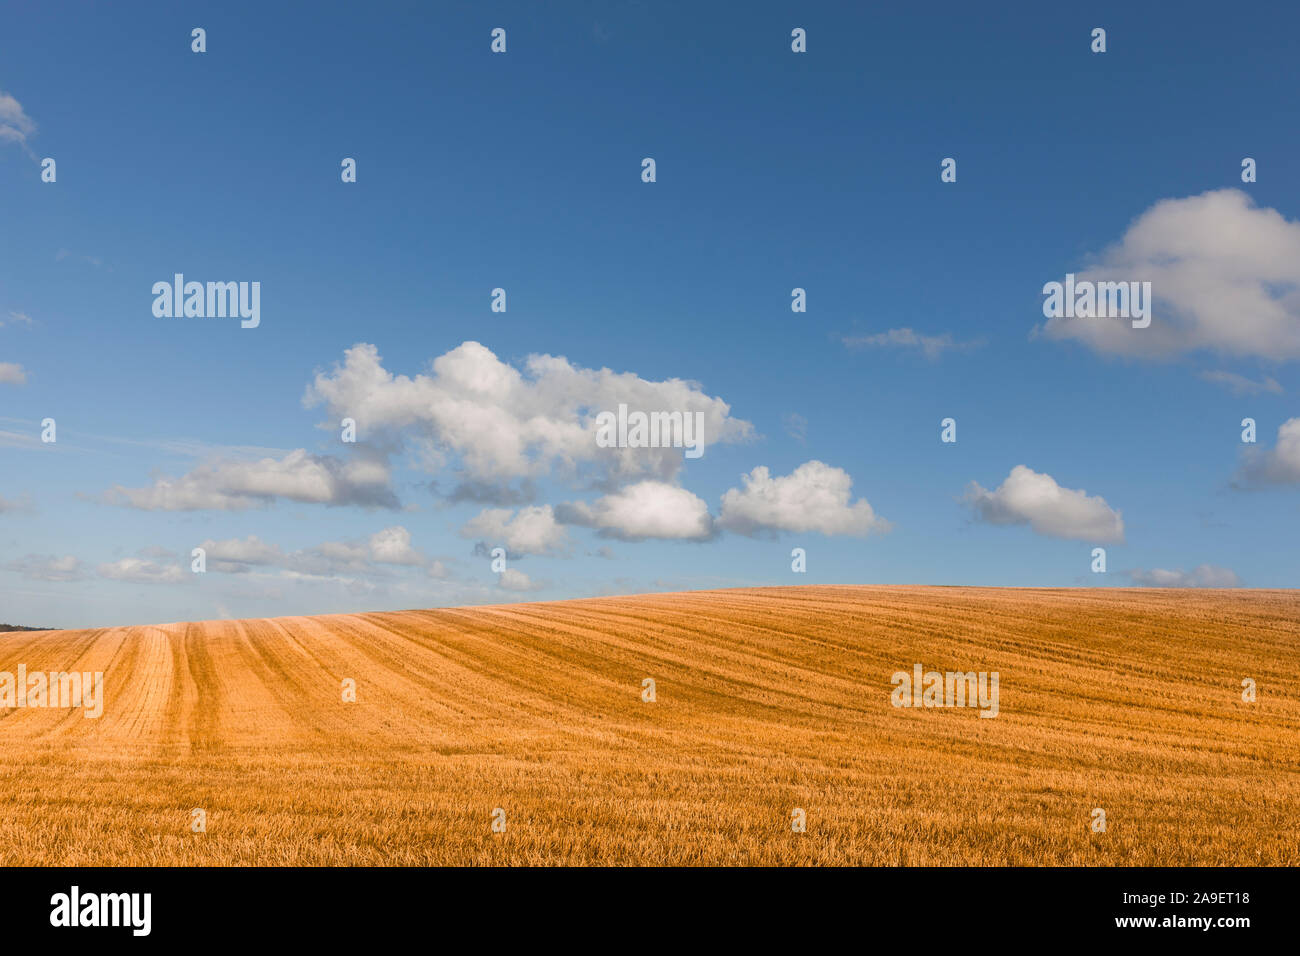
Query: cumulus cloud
x,y
11,373
514,580
1279,465
22,318
15,124
140,571
531,530
47,567
391,546
230,485
1241,385
1202,576
931,346
647,509
1028,497
236,554
814,497
1224,273
499,423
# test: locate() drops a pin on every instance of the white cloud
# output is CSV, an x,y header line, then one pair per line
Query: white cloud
x,y
1278,465
1028,497
46,567
931,346
391,546
499,423
20,317
1224,273
647,509
140,571
230,485
514,580
15,125
1203,576
12,373
814,497
533,530
23,504
1241,385
331,557
236,554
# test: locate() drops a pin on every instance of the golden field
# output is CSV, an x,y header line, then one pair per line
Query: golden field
x,y
768,699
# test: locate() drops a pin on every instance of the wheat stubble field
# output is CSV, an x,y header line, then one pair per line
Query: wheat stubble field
x,y
767,699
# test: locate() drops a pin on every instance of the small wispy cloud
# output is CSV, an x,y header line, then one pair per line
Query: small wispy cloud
x,y
931,346
1241,385
18,318
62,254
796,426
10,439
178,448
23,504
11,373
1203,576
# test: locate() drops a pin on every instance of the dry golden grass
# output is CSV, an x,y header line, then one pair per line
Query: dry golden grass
x,y
768,699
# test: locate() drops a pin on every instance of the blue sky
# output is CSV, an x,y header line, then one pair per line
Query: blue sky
x,y
522,170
